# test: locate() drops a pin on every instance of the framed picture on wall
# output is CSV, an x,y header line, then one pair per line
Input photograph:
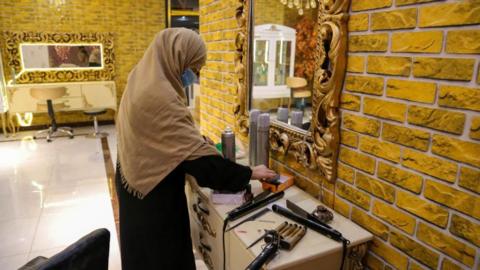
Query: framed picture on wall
x,y
183,13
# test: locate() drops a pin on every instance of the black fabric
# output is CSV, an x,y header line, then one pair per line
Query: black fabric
x,y
154,231
218,173
88,253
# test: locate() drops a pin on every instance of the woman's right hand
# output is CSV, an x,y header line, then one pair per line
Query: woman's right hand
x,y
261,172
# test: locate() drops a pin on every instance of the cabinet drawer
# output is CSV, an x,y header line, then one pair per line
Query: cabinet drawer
x,y
209,226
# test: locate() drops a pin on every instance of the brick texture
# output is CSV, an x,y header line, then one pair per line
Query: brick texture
x,y
358,22
422,208
411,90
459,69
394,216
417,42
411,137
389,65
410,128
463,41
446,244
402,178
384,109
448,14
218,85
444,120
368,43
373,186
397,19
475,128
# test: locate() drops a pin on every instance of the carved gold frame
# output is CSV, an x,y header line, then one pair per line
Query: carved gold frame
x,y
242,62
13,57
316,149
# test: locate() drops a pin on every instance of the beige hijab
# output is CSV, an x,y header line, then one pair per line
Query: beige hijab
x,y
156,131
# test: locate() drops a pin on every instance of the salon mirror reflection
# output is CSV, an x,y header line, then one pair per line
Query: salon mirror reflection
x,y
60,56
283,64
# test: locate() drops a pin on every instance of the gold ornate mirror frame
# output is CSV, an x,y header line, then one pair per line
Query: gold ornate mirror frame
x,y
13,57
243,13
316,149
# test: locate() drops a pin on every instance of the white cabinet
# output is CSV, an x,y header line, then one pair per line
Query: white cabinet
x,y
314,251
68,96
273,60
22,98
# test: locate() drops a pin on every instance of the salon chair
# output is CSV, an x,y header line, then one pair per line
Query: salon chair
x,y
96,133
45,96
88,253
297,89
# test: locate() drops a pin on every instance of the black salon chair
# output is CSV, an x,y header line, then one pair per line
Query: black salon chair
x,y
90,252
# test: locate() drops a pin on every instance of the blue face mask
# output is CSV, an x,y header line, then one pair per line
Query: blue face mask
x,y
188,77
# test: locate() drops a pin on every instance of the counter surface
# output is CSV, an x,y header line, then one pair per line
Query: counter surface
x,y
312,245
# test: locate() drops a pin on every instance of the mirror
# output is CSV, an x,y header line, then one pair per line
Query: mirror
x,y
283,64
61,56
44,57
293,67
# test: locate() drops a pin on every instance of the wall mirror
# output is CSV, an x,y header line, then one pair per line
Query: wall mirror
x,y
283,62
295,59
40,57
60,56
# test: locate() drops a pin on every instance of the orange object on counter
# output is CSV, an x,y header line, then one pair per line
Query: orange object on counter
x,y
283,182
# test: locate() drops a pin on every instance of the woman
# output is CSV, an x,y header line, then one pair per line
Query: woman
x,y
157,144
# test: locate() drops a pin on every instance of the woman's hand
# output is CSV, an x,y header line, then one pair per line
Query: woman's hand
x,y
261,172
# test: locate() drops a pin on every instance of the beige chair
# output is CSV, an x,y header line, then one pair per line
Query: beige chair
x,y
297,89
45,96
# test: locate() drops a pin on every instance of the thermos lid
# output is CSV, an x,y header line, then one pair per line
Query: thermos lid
x,y
228,130
254,113
263,121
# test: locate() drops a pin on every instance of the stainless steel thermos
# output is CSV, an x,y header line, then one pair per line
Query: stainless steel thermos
x,y
282,114
252,137
263,145
297,119
228,144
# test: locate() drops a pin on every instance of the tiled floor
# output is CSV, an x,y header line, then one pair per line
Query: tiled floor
x,y
51,194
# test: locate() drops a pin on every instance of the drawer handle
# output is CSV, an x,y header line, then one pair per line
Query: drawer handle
x,y
204,210
205,225
205,246
206,257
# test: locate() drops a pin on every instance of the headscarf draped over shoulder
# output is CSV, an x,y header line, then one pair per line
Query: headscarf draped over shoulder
x,y
156,131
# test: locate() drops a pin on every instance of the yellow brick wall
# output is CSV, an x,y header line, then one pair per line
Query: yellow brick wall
x,y
409,163
134,24
218,28
409,169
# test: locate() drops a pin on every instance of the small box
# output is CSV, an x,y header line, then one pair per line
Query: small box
x,y
282,183
230,198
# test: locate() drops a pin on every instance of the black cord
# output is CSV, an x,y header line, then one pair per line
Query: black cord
x,y
225,223
345,242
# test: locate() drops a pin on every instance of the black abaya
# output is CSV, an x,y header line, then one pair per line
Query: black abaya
x,y
154,231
